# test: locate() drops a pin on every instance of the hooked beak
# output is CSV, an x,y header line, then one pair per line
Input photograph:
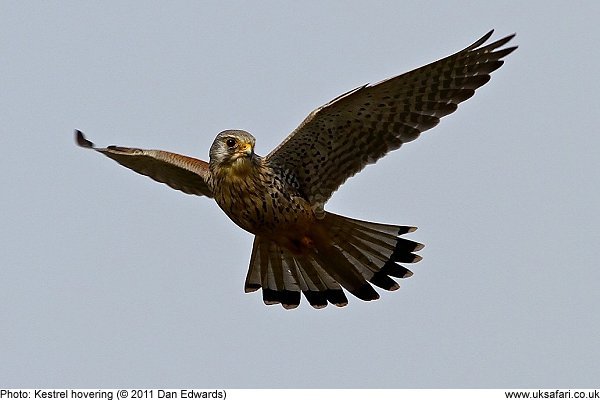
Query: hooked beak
x,y
246,150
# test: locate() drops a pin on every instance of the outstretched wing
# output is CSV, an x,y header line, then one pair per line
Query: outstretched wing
x,y
179,172
359,127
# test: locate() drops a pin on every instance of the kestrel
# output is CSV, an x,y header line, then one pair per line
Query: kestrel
x,y
280,198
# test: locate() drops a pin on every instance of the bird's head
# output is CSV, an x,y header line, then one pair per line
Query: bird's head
x,y
233,149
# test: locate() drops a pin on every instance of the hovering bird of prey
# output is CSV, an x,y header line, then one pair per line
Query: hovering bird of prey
x,y
298,246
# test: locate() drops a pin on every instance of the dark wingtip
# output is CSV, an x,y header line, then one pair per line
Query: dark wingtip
x,y
82,141
487,35
511,36
481,41
494,45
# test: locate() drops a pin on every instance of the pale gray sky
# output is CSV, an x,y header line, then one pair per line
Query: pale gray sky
x,y
110,279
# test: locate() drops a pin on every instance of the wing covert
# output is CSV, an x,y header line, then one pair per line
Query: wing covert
x,y
180,172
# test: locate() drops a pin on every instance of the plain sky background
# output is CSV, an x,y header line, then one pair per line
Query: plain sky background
x,y
108,279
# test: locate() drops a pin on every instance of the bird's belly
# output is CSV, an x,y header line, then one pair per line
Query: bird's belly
x,y
273,214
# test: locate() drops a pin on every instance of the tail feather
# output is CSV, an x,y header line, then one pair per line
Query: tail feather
x,y
357,254
370,244
323,287
337,264
270,269
283,275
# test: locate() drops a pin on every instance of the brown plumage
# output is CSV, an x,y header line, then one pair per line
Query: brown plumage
x,y
298,246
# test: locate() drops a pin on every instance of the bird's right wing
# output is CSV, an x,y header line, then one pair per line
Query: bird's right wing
x,y
183,173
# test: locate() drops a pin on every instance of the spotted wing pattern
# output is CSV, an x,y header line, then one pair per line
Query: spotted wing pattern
x,y
359,127
179,172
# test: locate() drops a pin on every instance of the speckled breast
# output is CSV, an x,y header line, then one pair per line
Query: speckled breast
x,y
262,203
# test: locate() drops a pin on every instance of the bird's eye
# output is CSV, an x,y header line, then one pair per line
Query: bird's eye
x,y
230,142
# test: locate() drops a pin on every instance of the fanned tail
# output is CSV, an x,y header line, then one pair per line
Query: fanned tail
x,y
356,255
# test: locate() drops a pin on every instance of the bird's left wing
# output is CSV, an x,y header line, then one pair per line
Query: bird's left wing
x,y
359,127
179,172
